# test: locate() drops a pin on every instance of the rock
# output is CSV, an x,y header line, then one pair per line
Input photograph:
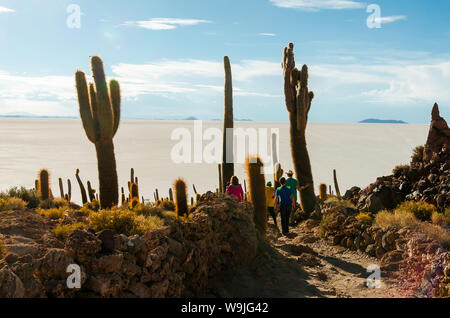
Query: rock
x,y
54,264
159,290
379,252
24,249
140,290
10,284
105,285
391,257
176,248
82,244
438,136
308,260
107,263
370,249
107,238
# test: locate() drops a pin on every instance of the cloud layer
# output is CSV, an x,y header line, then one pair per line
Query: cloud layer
x,y
164,23
6,10
316,5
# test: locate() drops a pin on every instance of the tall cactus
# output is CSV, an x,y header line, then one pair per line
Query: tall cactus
x,y
100,114
323,191
228,124
61,188
256,184
44,184
181,197
336,185
298,103
69,190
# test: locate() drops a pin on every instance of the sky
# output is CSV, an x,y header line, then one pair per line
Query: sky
x,y
168,56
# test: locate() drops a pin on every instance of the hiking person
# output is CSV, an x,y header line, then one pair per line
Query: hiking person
x,y
284,200
235,188
293,184
270,201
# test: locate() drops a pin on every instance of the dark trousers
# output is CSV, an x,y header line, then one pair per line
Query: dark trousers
x,y
285,212
272,214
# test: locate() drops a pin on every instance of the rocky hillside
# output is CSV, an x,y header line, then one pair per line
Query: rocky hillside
x,y
427,178
173,261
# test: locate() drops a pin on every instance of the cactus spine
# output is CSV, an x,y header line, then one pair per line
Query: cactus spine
x,y
256,184
228,124
100,114
44,188
298,103
181,197
336,185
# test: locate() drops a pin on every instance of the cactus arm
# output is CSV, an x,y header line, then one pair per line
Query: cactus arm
x,y
85,106
105,111
114,89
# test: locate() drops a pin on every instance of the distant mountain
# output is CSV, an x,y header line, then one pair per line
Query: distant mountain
x,y
28,115
381,121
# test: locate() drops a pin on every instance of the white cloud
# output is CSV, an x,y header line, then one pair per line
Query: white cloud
x,y
316,5
6,10
267,34
390,19
164,23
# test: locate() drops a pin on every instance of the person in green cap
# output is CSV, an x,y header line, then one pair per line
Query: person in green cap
x,y
292,184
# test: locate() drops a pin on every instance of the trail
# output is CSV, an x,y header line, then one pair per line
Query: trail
x,y
303,265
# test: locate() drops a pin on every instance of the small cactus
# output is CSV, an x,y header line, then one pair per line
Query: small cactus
x,y
134,191
61,188
123,196
82,188
44,188
91,192
170,194
323,191
69,190
181,198
336,185
256,182
157,194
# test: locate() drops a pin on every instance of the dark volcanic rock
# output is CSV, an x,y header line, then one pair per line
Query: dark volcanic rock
x,y
438,136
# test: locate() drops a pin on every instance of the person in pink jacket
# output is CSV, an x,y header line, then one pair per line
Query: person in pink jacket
x,y
235,189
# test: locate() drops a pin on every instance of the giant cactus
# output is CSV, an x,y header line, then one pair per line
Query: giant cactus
x,y
44,184
256,183
298,102
228,124
100,114
181,197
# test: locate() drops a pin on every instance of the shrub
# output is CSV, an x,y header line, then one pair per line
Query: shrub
x,y
3,250
441,219
421,210
28,195
60,203
398,219
93,206
400,169
323,226
148,209
12,204
334,201
417,155
82,211
53,214
168,205
364,218
63,231
123,221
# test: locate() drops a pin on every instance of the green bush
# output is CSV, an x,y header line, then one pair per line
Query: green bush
x,y
63,231
53,213
421,210
401,168
123,221
12,204
28,195
417,155
364,218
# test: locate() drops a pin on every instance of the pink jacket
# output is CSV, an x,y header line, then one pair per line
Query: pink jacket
x,y
236,191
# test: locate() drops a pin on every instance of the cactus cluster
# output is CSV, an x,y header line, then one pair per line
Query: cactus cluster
x,y
100,114
67,196
298,103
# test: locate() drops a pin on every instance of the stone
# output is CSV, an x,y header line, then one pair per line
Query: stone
x,y
82,244
379,252
438,135
10,284
54,264
107,238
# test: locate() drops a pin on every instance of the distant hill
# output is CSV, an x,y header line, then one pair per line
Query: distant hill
x,y
28,115
381,121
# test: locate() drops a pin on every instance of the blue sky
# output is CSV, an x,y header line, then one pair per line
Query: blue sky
x,y
167,54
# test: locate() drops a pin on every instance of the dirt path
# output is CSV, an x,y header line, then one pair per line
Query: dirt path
x,y
303,265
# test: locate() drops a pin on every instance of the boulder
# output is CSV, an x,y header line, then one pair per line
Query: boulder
x,y
10,284
438,135
81,245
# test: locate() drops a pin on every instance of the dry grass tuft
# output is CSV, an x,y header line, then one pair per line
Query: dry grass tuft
x,y
63,231
12,204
